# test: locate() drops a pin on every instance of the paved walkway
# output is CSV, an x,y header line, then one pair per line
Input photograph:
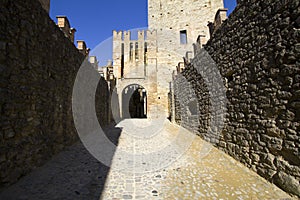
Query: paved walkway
x,y
72,174
153,160
199,171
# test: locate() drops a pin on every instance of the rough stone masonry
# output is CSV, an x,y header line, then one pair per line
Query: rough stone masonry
x,y
257,51
38,66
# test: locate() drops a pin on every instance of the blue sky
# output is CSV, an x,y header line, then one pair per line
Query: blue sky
x,y
95,19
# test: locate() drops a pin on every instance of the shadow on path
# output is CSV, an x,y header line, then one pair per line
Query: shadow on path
x,y
72,174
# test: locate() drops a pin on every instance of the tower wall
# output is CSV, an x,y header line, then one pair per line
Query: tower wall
x,y
177,15
135,62
174,26
173,20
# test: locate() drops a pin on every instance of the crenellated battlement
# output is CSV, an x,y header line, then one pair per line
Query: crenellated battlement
x,y
64,24
220,17
117,35
152,55
142,35
151,34
81,46
128,52
126,35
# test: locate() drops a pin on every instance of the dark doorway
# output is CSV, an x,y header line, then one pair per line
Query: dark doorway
x,y
134,102
137,108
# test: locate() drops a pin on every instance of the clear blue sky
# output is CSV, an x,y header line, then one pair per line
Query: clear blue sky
x,y
95,19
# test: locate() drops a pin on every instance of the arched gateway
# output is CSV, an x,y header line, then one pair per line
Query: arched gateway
x,y
134,101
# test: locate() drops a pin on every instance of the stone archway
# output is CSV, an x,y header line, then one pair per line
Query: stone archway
x,y
134,101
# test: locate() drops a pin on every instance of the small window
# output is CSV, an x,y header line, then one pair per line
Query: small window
x,y
131,51
122,60
136,51
183,37
145,52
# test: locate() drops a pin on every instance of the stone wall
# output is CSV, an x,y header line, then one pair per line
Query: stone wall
x,y
169,18
174,16
38,66
131,71
45,4
257,52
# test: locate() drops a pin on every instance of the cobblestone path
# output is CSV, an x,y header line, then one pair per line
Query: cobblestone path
x,y
202,172
72,174
143,168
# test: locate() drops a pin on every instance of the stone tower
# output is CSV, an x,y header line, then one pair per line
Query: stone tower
x,y
188,17
134,65
173,27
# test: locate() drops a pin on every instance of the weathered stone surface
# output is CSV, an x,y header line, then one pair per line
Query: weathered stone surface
x,y
287,182
194,175
38,67
256,51
151,59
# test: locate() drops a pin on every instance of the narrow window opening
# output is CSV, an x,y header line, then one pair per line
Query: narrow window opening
x,y
136,51
131,52
183,37
122,61
145,53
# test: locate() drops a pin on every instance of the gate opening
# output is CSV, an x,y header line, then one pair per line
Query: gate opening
x,y
134,102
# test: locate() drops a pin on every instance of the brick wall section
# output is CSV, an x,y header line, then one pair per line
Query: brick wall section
x,y
38,65
257,51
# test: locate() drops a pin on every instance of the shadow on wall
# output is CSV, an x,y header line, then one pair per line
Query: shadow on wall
x,y
260,67
72,174
38,65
